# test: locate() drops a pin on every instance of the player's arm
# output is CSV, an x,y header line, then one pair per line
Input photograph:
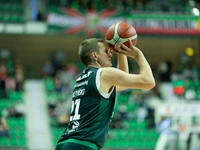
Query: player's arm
x,y
143,80
122,65
113,76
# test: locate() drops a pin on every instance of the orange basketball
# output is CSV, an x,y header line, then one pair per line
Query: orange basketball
x,y
120,32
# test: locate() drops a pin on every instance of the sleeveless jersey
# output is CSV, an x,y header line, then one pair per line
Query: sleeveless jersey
x,y
91,111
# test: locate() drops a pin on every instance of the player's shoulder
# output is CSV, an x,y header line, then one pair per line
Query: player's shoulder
x,y
108,68
109,71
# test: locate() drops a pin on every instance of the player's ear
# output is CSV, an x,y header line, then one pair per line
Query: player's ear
x,y
94,56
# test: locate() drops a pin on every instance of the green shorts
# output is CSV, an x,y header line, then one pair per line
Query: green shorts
x,y
74,144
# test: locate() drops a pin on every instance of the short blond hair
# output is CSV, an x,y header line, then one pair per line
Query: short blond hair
x,y
87,47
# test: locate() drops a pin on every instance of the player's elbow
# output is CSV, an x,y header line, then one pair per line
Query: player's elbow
x,y
149,84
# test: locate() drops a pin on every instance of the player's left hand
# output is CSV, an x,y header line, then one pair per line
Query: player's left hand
x,y
130,51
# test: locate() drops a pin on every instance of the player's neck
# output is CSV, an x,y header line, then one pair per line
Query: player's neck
x,y
92,66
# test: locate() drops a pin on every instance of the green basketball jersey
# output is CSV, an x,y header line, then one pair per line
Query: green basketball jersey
x,y
91,111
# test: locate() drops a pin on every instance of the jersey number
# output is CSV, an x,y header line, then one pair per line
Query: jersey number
x,y
75,105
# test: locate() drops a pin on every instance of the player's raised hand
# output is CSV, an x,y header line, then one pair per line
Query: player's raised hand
x,y
130,51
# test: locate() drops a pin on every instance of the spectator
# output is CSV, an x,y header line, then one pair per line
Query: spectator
x,y
119,5
123,111
198,94
57,83
65,78
47,69
121,114
71,68
141,113
62,114
16,111
3,76
165,71
150,117
10,83
139,5
135,96
4,129
128,6
20,109
3,71
116,123
190,94
187,72
19,75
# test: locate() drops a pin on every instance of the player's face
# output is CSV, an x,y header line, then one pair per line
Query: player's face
x,y
104,56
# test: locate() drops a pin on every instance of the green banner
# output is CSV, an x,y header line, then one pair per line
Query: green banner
x,y
71,21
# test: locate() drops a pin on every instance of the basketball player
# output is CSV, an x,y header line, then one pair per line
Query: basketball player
x,y
93,96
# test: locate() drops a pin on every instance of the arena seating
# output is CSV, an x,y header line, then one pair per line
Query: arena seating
x,y
16,125
11,99
11,11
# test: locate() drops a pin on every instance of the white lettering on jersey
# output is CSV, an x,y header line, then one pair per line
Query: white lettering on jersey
x,y
78,93
84,76
80,84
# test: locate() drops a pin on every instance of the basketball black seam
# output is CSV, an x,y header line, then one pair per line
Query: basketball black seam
x,y
117,33
125,31
122,33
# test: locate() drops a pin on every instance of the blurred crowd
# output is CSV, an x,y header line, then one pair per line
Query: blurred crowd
x,y
129,6
11,88
11,77
59,79
184,79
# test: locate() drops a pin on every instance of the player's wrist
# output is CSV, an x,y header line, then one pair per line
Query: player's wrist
x,y
139,54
